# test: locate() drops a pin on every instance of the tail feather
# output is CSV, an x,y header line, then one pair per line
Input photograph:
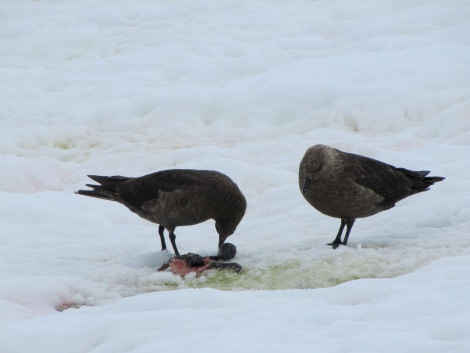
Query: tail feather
x,y
419,179
433,179
98,178
107,189
96,193
108,181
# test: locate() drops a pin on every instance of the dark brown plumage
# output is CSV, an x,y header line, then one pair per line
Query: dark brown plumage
x,y
177,197
349,186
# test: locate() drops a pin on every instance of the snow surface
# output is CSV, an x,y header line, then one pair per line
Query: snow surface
x,y
243,87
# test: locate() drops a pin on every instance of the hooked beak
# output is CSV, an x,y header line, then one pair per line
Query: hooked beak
x,y
307,182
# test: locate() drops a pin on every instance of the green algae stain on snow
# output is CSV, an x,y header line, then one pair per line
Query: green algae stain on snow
x,y
64,145
288,275
324,271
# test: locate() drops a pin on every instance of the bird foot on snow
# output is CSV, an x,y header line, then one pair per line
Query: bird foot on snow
x,y
335,245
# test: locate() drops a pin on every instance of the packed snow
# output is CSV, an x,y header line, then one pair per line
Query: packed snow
x,y
242,87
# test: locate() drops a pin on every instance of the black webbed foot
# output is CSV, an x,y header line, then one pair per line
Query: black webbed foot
x,y
335,245
337,242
